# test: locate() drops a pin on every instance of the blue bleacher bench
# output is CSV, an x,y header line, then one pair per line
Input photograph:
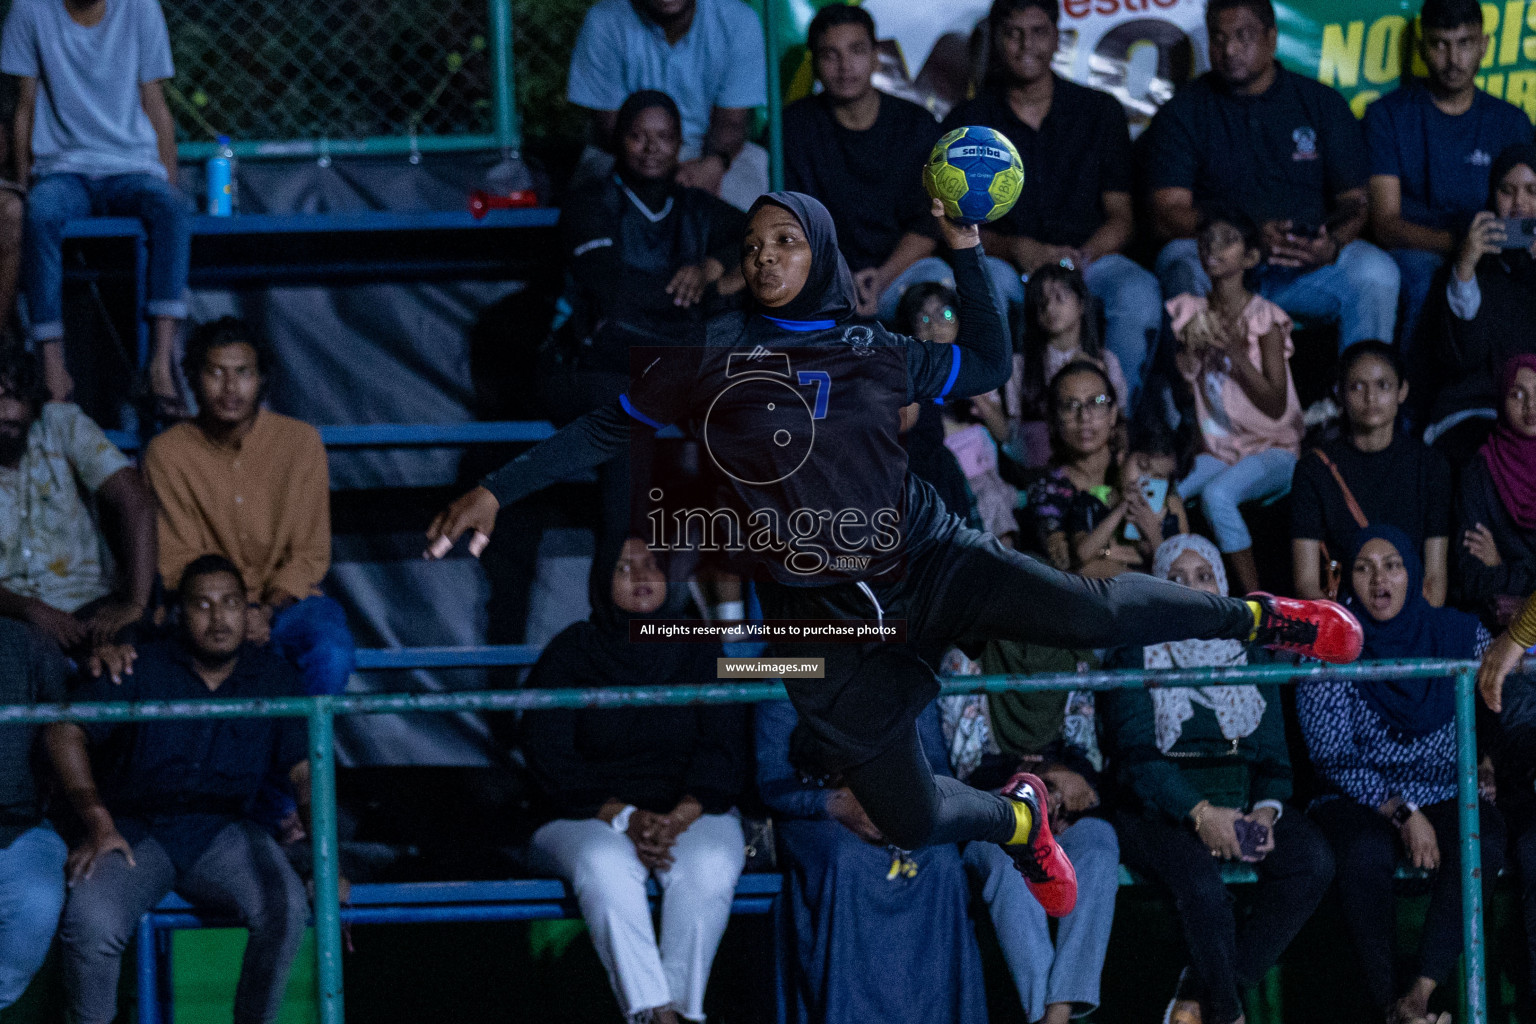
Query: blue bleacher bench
x,y
265,250
533,899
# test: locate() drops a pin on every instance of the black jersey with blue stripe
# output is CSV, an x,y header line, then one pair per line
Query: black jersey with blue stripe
x,y
798,424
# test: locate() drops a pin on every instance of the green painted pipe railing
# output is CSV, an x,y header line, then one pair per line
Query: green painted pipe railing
x,y
771,15
321,711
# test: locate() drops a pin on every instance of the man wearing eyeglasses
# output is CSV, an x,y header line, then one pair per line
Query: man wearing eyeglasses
x,y
1288,153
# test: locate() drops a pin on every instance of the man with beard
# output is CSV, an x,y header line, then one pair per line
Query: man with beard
x,y
174,808
1424,193
1076,206
53,572
1287,152
252,485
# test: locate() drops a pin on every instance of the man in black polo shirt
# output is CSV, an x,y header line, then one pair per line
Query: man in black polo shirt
x,y
859,151
31,853
1076,203
1287,152
173,812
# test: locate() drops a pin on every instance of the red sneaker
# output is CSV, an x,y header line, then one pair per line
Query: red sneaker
x,y
1317,629
1041,860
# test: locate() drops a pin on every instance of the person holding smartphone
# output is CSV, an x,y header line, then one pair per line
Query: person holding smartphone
x,y
1429,142
1118,529
1203,776
1490,302
1286,150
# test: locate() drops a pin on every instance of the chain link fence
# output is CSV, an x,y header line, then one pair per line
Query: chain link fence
x,y
358,69
338,69
543,34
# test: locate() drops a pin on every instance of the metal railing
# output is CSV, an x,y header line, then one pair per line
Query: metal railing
x,y
321,711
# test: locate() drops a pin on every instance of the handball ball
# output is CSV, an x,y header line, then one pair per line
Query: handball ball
x,y
976,173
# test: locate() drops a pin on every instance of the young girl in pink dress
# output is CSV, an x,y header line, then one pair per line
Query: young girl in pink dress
x,y
1234,350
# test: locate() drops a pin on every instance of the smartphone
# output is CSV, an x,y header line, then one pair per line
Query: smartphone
x,y
1342,214
1156,492
1250,836
1519,232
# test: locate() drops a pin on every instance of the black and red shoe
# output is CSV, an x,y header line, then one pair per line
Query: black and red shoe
x,y
1041,860
1323,630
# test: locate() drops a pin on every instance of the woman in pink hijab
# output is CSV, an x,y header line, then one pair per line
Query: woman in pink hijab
x,y
1496,503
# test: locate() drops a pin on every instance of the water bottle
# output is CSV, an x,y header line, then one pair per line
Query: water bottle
x,y
221,180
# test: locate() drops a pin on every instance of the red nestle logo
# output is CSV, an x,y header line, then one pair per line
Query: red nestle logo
x,y
1083,8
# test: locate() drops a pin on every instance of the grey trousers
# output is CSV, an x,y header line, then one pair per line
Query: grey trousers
x,y
243,874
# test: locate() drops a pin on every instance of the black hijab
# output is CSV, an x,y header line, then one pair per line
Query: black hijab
x,y
1508,159
828,293
604,654
1517,262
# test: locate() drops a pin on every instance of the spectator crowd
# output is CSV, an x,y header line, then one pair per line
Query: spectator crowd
x,y
1168,298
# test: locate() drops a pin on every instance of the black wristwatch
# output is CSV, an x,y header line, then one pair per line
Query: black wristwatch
x,y
1405,810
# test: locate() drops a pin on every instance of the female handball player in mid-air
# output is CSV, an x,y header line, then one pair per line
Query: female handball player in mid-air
x,y
886,547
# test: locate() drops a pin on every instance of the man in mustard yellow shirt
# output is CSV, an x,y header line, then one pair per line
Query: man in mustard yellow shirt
x,y
253,486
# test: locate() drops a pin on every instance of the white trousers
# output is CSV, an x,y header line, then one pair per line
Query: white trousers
x,y
609,882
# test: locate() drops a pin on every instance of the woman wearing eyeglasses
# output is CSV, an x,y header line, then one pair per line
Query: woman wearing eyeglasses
x,y
1235,350
1082,410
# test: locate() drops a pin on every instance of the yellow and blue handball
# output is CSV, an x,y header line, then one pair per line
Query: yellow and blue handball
x,y
976,173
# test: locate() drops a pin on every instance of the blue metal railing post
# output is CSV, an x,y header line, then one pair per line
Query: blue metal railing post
x,y
146,966
322,827
1471,846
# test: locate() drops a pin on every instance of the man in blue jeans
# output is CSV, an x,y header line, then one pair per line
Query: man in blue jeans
x,y
1076,206
31,853
1287,152
253,486
171,808
93,137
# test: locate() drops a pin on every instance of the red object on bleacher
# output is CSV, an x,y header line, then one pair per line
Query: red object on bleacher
x,y
481,203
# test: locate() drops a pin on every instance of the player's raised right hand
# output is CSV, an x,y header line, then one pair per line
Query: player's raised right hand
x,y
475,512
956,236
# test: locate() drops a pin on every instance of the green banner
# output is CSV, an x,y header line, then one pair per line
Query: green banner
x,y
1362,47
1141,50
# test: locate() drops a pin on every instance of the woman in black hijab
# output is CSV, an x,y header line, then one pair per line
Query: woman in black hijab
x,y
835,528
640,792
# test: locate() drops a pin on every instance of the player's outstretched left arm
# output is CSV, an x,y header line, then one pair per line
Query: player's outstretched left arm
x,y
585,443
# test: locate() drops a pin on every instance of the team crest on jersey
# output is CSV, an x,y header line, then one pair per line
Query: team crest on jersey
x,y
1305,138
860,338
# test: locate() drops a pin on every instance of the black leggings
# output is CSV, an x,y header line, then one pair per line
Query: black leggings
x,y
966,587
1226,954
1365,845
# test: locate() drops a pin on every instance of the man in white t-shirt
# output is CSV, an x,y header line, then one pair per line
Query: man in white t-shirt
x,y
93,137
708,55
12,209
